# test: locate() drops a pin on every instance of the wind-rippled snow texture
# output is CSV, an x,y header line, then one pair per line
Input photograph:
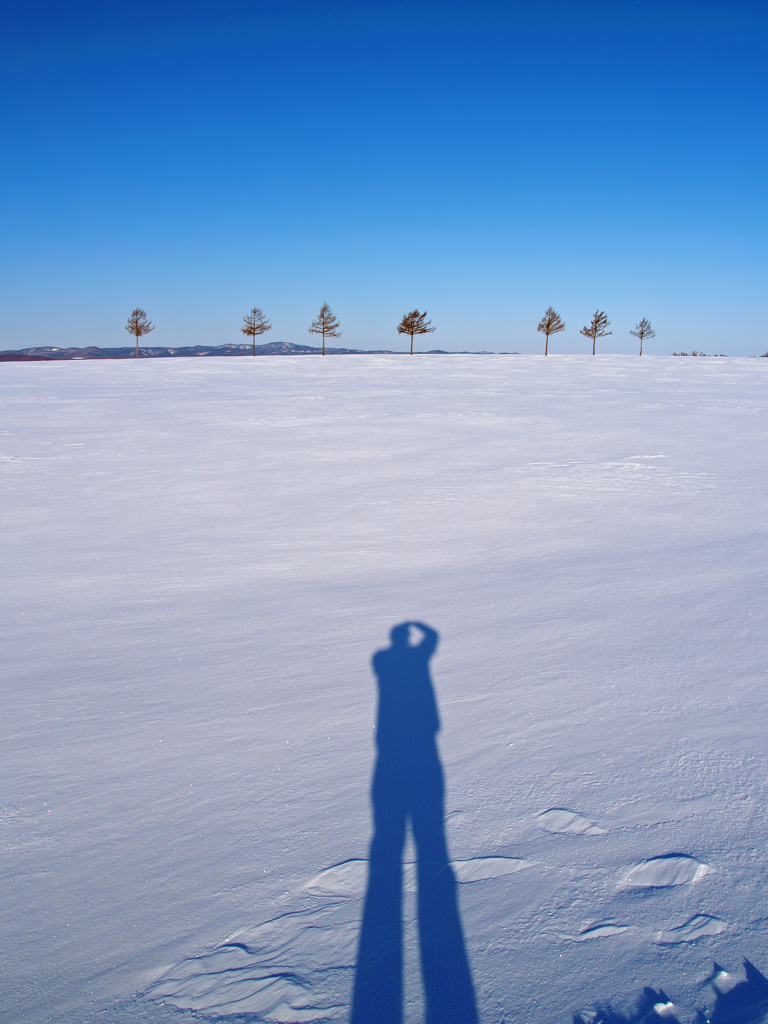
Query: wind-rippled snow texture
x,y
299,964
200,558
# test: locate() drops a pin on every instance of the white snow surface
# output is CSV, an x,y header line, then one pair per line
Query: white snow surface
x,y
200,558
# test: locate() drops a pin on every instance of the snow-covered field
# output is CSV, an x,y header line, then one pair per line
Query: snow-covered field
x,y
200,558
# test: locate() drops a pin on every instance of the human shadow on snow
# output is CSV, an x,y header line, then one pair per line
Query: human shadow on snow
x,y
408,786
746,1002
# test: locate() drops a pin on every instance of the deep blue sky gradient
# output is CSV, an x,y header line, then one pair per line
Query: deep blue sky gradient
x,y
478,160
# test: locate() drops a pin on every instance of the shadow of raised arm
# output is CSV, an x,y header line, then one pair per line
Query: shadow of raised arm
x,y
430,638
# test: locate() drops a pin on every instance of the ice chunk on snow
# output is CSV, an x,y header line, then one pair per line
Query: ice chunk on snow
x,y
351,876
559,819
346,879
481,868
601,931
662,872
697,927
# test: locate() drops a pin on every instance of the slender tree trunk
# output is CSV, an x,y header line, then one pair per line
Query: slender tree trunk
x,y
411,344
546,344
593,344
641,346
323,342
254,344
137,346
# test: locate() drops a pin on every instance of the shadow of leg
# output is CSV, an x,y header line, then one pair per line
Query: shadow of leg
x,y
448,985
378,991
448,988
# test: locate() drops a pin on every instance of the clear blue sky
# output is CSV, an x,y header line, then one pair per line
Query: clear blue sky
x,y
479,160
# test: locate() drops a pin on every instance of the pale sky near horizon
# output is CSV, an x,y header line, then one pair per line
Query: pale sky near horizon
x,y
480,161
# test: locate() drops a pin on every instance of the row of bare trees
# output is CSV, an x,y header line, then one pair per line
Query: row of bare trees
x,y
328,326
412,324
256,324
597,327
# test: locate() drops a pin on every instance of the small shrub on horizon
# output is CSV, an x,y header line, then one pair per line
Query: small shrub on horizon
x,y
415,323
642,331
255,324
550,323
326,324
138,325
596,328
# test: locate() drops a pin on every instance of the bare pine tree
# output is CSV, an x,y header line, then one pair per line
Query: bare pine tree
x,y
415,323
596,328
643,331
550,323
255,323
326,324
138,325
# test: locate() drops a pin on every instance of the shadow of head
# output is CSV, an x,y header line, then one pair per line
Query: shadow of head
x,y
401,635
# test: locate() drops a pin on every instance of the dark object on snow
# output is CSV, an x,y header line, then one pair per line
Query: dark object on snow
x,y
652,1008
745,1002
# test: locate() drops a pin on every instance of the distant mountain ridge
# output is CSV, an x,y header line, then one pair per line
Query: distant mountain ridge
x,y
274,348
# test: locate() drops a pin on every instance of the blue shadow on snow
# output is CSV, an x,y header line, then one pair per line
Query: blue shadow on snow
x,y
408,786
